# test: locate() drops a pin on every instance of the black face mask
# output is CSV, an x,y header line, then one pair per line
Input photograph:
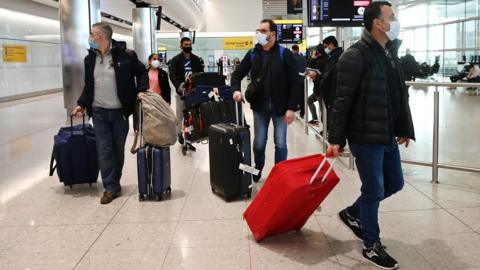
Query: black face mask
x,y
187,49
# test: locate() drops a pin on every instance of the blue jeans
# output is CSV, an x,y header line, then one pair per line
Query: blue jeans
x,y
381,174
111,129
261,121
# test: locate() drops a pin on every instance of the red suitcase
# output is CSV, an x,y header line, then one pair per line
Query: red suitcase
x,y
292,191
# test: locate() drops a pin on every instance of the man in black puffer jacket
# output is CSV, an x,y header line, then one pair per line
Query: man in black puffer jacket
x,y
370,109
113,78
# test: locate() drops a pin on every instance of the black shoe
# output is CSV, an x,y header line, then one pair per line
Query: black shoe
x,y
180,139
257,178
379,257
352,223
192,148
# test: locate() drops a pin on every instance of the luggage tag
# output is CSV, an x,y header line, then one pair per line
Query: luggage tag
x,y
189,129
248,169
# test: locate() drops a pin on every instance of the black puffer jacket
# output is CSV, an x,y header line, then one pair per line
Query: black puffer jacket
x,y
361,109
127,69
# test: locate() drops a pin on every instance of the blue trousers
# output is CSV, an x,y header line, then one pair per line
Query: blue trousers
x,y
111,130
261,121
380,171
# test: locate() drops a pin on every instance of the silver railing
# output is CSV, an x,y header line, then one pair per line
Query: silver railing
x,y
322,135
436,126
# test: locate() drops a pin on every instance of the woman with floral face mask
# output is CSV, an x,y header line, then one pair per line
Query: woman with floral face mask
x,y
158,78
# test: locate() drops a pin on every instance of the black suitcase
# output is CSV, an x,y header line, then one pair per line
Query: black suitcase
x,y
207,79
229,149
215,112
154,173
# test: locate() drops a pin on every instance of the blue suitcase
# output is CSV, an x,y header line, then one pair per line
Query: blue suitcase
x,y
74,155
154,173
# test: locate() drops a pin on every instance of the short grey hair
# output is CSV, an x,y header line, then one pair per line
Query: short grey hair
x,y
105,29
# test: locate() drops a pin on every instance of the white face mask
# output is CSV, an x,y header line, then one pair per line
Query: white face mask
x,y
261,39
328,50
155,63
394,30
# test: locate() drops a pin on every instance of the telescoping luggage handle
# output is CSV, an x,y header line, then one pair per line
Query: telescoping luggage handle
x,y
71,124
324,161
241,115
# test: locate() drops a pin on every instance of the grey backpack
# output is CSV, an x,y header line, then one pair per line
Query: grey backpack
x,y
157,122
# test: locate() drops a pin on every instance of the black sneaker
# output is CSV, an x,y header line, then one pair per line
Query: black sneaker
x,y
352,223
379,257
191,147
257,178
180,139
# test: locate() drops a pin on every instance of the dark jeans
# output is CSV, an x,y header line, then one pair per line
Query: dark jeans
x,y
261,121
111,129
311,105
381,174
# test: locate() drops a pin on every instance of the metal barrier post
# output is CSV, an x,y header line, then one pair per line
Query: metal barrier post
x,y
436,128
305,101
324,124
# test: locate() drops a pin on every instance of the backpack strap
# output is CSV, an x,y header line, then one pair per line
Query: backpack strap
x,y
281,51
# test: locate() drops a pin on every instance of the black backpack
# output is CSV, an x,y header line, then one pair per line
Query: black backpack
x,y
328,85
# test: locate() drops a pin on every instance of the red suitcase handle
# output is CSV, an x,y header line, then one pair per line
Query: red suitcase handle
x,y
324,161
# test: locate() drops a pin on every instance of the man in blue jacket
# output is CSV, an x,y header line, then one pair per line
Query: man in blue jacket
x,y
272,94
113,78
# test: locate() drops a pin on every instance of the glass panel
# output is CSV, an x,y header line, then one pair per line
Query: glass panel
x,y
455,10
453,39
437,13
408,41
470,34
471,8
421,39
435,38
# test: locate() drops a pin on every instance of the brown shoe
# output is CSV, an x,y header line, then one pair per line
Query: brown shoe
x,y
108,197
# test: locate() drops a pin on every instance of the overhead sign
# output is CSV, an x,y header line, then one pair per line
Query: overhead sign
x,y
13,53
237,43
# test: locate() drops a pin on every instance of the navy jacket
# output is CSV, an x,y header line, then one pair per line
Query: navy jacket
x,y
130,75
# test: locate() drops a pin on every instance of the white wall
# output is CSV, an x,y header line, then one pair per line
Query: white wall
x,y
233,16
40,34
37,27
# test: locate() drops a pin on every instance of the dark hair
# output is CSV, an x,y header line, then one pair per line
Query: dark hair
x,y
320,48
329,40
472,65
184,39
271,24
372,12
151,56
295,47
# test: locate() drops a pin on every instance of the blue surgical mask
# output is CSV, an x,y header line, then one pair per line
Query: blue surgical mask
x,y
261,39
93,45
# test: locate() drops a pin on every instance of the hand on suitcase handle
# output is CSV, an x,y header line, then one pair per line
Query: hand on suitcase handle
x,y
324,161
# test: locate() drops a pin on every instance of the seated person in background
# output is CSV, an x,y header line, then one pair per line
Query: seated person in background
x,y
158,78
473,74
461,74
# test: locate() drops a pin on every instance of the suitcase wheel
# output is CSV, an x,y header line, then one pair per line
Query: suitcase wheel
x,y
184,150
169,190
213,190
71,186
158,197
141,197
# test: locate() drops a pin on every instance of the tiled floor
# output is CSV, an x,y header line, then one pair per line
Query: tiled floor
x,y
46,226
